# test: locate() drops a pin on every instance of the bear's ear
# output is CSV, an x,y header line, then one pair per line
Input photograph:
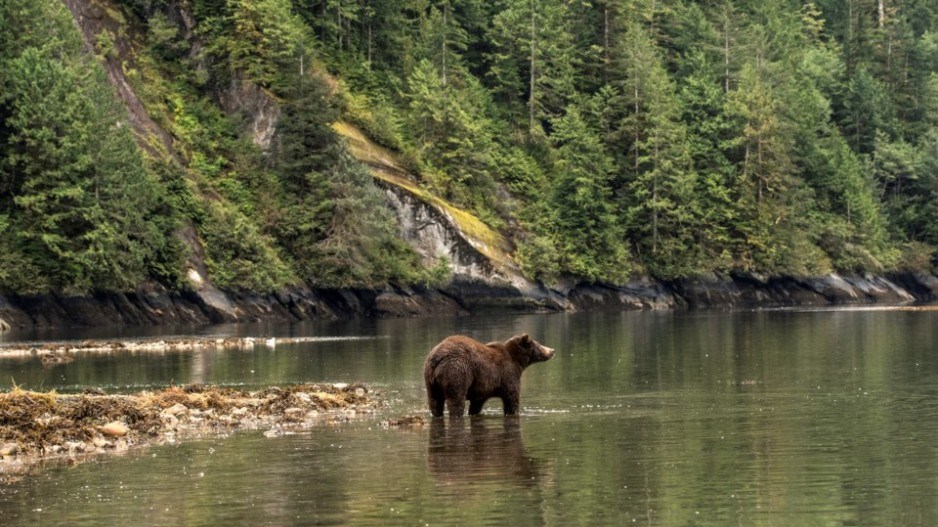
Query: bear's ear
x,y
525,338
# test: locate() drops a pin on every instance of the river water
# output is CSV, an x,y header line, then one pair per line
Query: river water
x,y
815,417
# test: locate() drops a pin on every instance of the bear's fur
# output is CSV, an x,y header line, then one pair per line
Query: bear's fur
x,y
461,368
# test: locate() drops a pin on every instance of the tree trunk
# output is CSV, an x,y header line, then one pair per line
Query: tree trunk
x,y
726,50
531,98
445,30
606,39
654,204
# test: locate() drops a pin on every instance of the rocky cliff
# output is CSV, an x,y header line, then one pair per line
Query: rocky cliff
x,y
483,275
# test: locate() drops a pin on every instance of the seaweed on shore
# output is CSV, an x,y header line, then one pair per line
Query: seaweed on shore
x,y
36,426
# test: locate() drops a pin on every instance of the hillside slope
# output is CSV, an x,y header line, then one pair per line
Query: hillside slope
x,y
169,161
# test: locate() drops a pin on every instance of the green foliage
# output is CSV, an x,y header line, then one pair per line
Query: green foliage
x,y
238,255
373,115
265,39
672,137
454,138
438,275
583,222
333,221
538,257
82,211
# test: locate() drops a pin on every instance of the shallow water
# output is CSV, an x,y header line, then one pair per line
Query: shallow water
x,y
762,418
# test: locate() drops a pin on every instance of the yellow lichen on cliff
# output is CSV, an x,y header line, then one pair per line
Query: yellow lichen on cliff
x,y
387,166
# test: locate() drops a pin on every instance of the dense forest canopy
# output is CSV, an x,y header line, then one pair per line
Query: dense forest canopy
x,y
604,137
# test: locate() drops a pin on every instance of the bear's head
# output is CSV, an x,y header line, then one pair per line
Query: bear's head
x,y
529,350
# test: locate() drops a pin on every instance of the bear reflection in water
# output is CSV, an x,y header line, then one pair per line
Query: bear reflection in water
x,y
485,449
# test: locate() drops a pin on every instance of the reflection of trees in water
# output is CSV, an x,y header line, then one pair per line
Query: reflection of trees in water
x,y
482,449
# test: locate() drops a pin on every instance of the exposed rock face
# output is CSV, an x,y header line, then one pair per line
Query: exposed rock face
x,y
157,306
91,20
154,305
749,290
483,280
433,236
259,108
638,293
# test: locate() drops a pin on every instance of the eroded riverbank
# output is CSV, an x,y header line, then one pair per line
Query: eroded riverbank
x,y
36,426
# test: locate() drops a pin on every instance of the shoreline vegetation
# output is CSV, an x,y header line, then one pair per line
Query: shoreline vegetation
x,y
180,156
40,426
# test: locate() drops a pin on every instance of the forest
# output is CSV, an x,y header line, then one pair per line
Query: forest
x,y
604,138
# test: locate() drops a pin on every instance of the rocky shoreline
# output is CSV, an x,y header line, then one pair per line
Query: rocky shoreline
x,y
155,305
35,426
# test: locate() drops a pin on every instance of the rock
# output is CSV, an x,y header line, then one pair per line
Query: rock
x,y
75,446
302,397
261,109
294,414
100,442
175,410
115,429
360,392
9,449
228,420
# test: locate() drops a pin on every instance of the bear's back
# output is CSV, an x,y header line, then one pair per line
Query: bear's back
x,y
465,353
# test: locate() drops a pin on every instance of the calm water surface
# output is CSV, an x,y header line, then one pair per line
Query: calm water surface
x,y
765,418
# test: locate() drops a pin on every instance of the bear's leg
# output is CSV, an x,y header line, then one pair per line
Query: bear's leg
x,y
456,406
436,406
475,406
435,401
512,403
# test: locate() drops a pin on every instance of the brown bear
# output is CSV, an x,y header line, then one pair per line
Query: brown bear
x,y
461,368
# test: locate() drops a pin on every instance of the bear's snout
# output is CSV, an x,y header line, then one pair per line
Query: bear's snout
x,y
546,353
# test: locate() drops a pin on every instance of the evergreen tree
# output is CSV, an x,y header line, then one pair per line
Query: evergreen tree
x,y
334,222
535,56
81,195
658,180
586,233
763,153
266,39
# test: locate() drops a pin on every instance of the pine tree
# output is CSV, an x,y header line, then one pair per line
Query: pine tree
x,y
266,39
585,227
658,180
534,55
82,197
